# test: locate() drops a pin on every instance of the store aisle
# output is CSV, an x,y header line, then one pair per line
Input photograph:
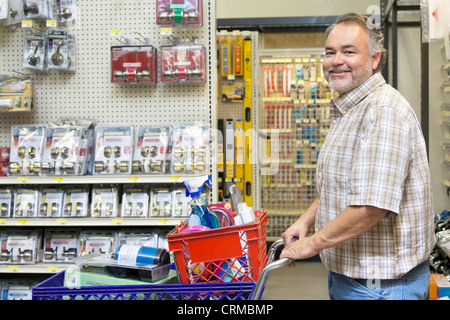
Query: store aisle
x,y
305,281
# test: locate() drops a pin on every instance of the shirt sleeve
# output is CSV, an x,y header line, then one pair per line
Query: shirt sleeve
x,y
380,169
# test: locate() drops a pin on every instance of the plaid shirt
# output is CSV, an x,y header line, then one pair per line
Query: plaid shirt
x,y
375,154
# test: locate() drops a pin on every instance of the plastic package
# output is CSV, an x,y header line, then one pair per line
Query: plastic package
x,y
25,203
190,149
35,57
135,200
183,63
26,149
180,206
16,290
58,50
19,247
66,11
160,203
14,14
6,202
75,202
151,152
61,151
39,10
104,202
113,149
134,64
61,245
179,13
50,202
16,93
148,238
97,242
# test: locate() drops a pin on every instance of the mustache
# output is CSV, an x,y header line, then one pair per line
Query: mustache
x,y
331,69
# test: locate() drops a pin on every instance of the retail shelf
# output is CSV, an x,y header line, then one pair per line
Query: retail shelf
x,y
94,179
34,268
89,222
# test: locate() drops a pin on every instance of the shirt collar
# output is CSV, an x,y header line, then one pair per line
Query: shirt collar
x,y
346,101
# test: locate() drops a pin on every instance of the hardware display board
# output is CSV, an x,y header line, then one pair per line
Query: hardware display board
x,y
89,93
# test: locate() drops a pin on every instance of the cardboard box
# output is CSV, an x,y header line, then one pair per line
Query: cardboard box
x,y
439,286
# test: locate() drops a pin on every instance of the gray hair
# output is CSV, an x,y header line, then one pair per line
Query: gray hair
x,y
376,37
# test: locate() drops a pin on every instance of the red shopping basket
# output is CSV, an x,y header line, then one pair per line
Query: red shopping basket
x,y
229,254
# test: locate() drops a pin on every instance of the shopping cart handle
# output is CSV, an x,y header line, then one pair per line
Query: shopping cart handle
x,y
271,265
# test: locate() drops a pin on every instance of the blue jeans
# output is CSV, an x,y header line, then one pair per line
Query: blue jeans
x,y
412,286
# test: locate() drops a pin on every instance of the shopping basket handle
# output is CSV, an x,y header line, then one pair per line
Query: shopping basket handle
x,y
271,265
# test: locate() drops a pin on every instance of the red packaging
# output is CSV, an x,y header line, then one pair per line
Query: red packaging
x,y
179,12
183,63
133,64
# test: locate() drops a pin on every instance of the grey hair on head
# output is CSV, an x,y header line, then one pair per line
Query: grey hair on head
x,y
376,37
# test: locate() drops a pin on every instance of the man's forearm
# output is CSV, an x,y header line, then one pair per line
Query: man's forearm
x,y
352,222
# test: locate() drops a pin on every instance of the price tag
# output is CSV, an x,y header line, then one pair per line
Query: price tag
x,y
166,31
58,179
13,268
2,221
117,221
163,220
175,178
115,33
22,179
61,221
27,24
51,23
22,221
53,269
133,178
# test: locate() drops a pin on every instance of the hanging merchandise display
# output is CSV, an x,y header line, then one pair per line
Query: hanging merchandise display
x,y
20,247
35,57
39,10
60,245
179,13
133,64
17,93
183,62
66,11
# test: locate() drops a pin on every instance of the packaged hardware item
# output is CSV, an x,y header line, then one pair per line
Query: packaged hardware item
x,y
135,199
61,151
6,202
50,202
76,202
12,12
183,63
152,149
40,10
113,149
19,247
66,11
16,290
57,50
160,202
35,51
61,245
97,241
134,64
25,203
17,93
180,206
190,149
104,202
179,13
26,149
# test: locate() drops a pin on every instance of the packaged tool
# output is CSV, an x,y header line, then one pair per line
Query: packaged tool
x,y
50,202
179,13
6,202
25,203
104,202
133,64
76,202
190,149
19,247
35,51
113,149
66,11
161,203
39,10
183,62
26,149
61,151
58,50
12,13
135,200
152,149
180,206
61,245
97,241
17,93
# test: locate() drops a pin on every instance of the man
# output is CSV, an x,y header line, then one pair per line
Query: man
x,y
373,213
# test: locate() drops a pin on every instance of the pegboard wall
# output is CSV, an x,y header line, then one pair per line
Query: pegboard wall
x,y
88,93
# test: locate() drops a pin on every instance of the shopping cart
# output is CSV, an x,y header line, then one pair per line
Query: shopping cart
x,y
53,288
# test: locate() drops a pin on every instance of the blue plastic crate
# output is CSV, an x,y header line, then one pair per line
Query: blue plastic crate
x,y
52,289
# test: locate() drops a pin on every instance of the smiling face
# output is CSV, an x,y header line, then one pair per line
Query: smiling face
x,y
347,63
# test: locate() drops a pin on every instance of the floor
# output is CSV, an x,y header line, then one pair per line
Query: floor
x,y
303,281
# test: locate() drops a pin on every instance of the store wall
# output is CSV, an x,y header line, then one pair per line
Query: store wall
x,y
227,9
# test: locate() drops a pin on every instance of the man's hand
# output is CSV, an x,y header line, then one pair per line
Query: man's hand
x,y
300,249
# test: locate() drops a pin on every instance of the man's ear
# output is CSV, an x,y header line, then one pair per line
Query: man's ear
x,y
376,61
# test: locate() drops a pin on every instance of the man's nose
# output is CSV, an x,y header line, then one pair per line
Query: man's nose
x,y
338,59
